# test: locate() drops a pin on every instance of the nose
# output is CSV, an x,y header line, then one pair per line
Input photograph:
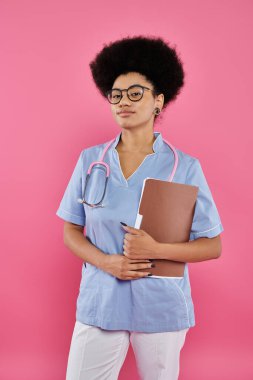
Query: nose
x,y
124,99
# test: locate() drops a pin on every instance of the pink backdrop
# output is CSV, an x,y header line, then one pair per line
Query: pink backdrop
x,y
50,110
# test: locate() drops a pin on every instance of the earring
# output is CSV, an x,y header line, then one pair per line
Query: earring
x,y
157,111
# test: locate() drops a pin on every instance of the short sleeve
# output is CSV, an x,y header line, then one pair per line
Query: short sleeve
x,y
206,220
70,209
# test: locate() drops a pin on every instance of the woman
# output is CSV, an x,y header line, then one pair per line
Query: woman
x,y
117,303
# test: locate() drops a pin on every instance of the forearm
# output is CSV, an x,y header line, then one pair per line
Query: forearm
x,y
81,247
193,251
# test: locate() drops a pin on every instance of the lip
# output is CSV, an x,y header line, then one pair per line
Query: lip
x,y
125,113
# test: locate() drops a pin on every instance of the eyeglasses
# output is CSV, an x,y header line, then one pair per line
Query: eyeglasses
x,y
134,93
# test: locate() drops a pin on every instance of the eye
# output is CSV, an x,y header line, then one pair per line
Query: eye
x,y
135,93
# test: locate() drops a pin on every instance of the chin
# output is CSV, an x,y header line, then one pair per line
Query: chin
x,y
125,123
124,126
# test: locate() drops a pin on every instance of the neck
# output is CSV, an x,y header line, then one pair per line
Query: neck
x,y
136,141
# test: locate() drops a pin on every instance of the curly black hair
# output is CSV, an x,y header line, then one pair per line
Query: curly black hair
x,y
149,56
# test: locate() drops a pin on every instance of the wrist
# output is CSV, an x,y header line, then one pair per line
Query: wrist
x,y
156,251
102,261
162,250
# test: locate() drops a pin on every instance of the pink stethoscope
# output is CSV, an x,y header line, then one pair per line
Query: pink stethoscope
x,y
101,162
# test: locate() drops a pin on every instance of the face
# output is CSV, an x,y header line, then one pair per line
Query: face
x,y
141,113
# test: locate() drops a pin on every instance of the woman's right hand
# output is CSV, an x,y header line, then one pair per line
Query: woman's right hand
x,y
124,268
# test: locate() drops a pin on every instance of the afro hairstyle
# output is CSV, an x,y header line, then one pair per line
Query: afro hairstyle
x,y
149,56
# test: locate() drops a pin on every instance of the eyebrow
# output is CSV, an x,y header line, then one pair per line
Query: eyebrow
x,y
135,84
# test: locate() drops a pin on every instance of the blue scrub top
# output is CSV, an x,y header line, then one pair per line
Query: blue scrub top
x,y
146,304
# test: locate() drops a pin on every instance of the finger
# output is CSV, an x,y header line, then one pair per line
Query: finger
x,y
136,274
125,245
135,267
132,230
137,260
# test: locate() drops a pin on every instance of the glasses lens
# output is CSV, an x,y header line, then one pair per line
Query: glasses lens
x,y
96,184
114,96
135,93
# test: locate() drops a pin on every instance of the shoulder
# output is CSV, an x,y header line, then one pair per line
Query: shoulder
x,y
187,162
192,169
186,158
94,151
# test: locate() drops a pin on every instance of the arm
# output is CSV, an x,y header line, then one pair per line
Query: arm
x,y
140,245
115,264
75,240
193,251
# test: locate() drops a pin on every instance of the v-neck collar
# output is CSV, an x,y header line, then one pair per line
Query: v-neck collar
x,y
157,144
157,147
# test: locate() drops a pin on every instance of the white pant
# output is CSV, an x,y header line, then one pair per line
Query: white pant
x,y
97,354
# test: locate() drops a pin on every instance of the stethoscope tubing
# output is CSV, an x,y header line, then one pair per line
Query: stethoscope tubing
x,y
101,162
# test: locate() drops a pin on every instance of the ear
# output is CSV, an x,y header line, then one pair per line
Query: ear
x,y
159,101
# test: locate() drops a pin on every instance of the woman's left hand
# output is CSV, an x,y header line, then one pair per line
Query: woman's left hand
x,y
138,244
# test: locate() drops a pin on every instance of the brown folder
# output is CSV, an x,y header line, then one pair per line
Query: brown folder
x,y
166,211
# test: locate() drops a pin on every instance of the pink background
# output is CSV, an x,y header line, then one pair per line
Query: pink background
x,y
51,110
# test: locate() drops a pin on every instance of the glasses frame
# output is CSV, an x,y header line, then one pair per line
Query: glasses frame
x,y
126,89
